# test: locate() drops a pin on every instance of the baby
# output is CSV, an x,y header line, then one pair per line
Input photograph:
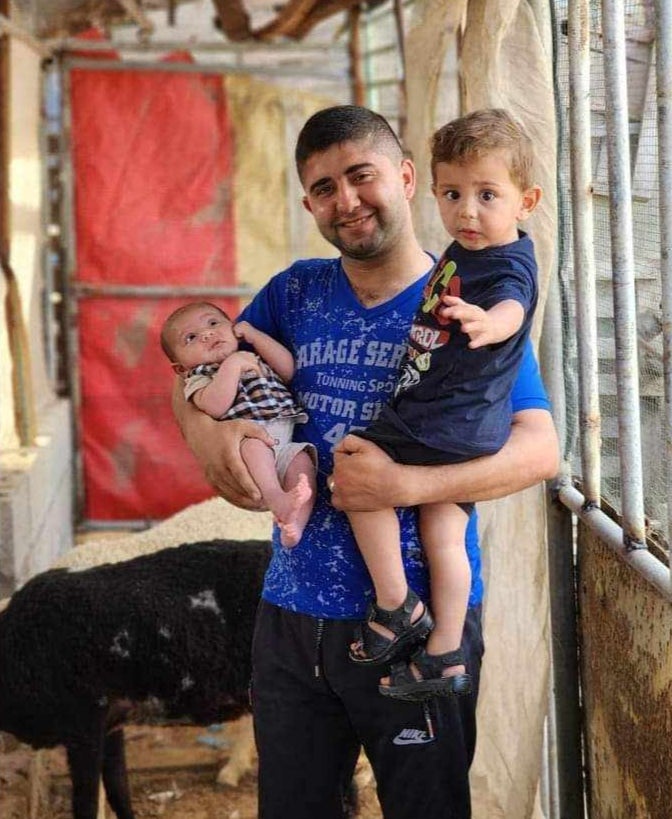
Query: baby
x,y
202,342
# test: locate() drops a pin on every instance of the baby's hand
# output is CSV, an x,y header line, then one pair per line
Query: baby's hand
x,y
247,361
245,331
475,321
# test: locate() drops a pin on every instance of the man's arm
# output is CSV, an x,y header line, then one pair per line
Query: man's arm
x,y
366,479
216,447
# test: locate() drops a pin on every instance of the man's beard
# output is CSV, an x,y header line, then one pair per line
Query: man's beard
x,y
367,247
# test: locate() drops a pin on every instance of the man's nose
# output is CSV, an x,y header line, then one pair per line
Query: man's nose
x,y
347,198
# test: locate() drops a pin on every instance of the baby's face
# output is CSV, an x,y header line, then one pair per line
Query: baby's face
x,y
202,336
479,203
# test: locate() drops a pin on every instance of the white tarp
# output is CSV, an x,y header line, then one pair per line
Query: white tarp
x,y
505,61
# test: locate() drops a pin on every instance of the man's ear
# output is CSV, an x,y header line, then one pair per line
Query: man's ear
x,y
409,176
306,204
531,198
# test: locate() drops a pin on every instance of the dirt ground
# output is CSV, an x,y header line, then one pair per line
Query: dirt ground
x,y
172,772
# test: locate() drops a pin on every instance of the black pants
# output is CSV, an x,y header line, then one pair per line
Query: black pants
x,y
313,708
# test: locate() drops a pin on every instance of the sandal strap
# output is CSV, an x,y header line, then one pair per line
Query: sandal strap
x,y
396,620
432,665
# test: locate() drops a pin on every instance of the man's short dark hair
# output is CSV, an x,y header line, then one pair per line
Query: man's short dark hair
x,y
344,123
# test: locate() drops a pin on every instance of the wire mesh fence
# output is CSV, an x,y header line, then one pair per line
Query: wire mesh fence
x,y
639,16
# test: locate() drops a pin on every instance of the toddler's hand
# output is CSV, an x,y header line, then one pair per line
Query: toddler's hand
x,y
475,321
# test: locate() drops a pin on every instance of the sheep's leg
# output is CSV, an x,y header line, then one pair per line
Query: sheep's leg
x,y
85,761
115,777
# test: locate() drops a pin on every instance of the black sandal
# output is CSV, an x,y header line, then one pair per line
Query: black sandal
x,y
381,649
405,686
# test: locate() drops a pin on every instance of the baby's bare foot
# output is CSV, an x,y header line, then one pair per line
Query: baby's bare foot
x,y
291,527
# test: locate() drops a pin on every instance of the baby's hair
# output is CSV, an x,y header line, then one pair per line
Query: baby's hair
x,y
484,132
170,321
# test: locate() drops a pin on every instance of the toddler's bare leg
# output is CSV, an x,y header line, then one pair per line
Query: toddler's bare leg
x,y
378,538
442,531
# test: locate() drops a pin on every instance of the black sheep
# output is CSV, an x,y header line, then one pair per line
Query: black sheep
x,y
83,652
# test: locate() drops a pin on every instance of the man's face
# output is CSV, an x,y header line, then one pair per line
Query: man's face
x,y
202,335
358,197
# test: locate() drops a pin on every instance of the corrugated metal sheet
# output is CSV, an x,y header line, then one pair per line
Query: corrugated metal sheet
x,y
626,663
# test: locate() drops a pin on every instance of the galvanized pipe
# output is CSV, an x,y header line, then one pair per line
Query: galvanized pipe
x,y
611,534
623,272
157,291
584,250
664,96
328,73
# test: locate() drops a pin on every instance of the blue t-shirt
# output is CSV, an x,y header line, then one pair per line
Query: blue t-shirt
x,y
449,398
347,360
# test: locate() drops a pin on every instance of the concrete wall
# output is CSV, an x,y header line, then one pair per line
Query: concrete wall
x,y
35,481
626,668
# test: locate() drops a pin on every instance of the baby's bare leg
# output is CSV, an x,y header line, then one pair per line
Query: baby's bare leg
x,y
260,460
299,484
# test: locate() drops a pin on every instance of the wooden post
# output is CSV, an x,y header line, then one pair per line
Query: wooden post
x,y
355,50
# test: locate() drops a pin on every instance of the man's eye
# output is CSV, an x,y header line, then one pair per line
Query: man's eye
x,y
323,190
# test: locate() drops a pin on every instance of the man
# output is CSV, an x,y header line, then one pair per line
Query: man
x,y
345,321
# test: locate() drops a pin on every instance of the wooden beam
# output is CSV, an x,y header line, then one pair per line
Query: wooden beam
x,y
355,51
11,29
4,138
290,16
132,8
320,12
233,19
403,96
19,348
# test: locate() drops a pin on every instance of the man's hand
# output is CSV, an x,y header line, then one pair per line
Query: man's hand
x,y
363,477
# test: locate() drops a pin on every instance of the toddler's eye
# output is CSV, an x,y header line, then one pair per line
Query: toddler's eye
x,y
452,196
189,337
487,196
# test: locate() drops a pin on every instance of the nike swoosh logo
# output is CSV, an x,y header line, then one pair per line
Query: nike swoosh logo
x,y
412,741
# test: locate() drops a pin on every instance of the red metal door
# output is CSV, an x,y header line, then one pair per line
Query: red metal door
x,y
153,226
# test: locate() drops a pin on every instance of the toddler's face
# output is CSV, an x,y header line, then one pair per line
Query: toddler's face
x,y
202,336
479,204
